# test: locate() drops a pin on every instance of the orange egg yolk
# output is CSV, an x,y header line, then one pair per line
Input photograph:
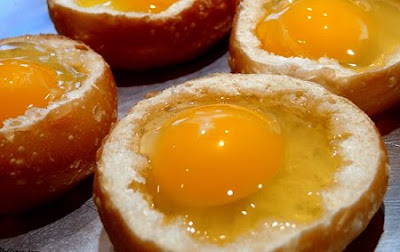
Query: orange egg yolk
x,y
338,29
150,6
215,154
23,85
224,170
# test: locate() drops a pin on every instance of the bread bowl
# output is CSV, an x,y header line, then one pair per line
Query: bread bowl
x,y
373,88
142,40
48,148
130,207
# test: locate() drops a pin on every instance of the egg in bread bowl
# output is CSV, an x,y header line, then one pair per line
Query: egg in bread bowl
x,y
349,47
157,189
144,34
58,101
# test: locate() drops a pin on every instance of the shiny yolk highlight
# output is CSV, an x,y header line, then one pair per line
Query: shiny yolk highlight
x,y
150,6
215,154
313,29
23,85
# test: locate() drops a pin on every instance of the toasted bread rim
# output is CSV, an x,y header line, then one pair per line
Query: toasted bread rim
x,y
350,204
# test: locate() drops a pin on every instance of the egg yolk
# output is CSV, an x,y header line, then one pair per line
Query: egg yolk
x,y
215,154
313,29
24,84
225,170
150,6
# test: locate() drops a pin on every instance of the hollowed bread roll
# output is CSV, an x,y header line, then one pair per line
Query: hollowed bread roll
x,y
373,89
139,40
134,223
48,150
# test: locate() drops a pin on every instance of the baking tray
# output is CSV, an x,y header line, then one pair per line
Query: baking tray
x,y
71,223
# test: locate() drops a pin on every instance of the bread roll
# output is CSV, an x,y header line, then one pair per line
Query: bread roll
x,y
133,224
133,40
47,151
372,89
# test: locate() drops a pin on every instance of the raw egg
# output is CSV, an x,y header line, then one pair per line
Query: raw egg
x,y
57,102
32,77
214,155
226,168
144,34
24,85
240,162
355,33
150,6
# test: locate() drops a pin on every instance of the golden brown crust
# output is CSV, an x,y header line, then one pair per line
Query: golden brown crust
x,y
373,90
361,183
47,157
141,42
